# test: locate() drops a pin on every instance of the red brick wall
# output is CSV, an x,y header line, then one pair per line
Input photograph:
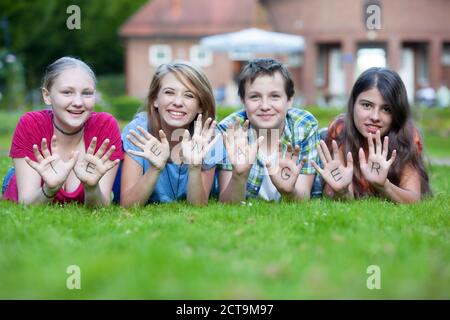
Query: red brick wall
x,y
328,21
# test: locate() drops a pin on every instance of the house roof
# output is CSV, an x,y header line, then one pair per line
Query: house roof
x,y
193,18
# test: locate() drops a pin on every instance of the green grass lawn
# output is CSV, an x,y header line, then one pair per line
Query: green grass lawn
x,y
317,249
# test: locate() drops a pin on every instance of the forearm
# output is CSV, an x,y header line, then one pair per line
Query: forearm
x,y
302,194
295,196
302,188
196,193
94,197
397,194
345,194
236,189
141,191
43,195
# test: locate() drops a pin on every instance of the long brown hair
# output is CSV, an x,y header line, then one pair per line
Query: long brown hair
x,y
191,77
401,134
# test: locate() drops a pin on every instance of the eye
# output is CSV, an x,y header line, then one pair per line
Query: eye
x,y
387,109
275,96
66,92
189,95
366,105
253,97
88,93
168,92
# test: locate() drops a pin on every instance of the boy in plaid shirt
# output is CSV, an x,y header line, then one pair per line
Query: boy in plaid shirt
x,y
269,145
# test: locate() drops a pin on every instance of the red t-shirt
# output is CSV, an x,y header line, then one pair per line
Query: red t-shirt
x,y
36,125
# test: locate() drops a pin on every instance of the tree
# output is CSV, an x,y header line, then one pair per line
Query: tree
x,y
39,33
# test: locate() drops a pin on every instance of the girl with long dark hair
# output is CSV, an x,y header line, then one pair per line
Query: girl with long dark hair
x,y
378,128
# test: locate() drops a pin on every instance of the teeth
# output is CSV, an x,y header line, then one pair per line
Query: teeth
x,y
175,113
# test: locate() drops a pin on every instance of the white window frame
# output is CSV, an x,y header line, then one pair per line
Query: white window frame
x,y
203,61
154,54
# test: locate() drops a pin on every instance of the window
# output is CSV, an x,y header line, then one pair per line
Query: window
x,y
295,59
368,57
446,55
159,54
201,56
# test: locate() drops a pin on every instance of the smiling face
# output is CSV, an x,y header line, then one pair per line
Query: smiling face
x,y
72,97
371,113
266,102
177,104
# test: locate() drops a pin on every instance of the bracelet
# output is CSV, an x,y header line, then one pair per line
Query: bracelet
x,y
46,195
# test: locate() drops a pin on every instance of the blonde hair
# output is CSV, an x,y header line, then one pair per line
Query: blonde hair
x,y
64,63
191,77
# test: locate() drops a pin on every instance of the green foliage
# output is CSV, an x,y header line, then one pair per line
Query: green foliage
x,y
8,122
39,32
12,82
222,112
124,107
111,85
324,115
313,250
435,120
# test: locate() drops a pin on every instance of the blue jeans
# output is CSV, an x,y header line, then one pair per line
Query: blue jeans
x,y
316,190
7,179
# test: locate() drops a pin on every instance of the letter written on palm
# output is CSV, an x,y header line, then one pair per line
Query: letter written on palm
x,y
240,152
376,168
50,166
285,172
155,151
92,166
195,148
335,173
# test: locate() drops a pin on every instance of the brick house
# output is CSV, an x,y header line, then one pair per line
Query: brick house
x,y
413,37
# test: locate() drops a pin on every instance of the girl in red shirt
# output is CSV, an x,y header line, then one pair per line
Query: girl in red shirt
x,y
66,153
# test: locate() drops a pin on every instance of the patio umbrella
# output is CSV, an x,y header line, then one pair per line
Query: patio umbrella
x,y
254,41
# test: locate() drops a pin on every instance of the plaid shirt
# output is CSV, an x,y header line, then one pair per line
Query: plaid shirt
x,y
301,128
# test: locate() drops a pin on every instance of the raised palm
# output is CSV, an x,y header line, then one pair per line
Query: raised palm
x,y
240,152
50,166
195,148
335,173
155,151
376,168
285,172
91,167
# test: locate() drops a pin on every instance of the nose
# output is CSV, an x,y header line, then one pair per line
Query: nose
x,y
265,104
177,100
375,115
77,100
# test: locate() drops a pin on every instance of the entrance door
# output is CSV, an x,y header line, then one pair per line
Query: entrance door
x,y
336,76
406,71
368,58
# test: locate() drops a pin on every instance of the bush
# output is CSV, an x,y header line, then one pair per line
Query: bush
x,y
324,115
112,85
9,121
222,112
125,107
